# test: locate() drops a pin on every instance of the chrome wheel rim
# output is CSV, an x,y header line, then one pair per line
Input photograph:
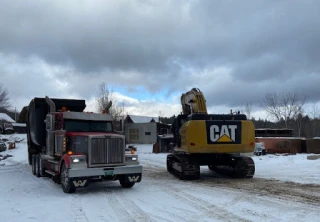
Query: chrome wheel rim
x,y
64,177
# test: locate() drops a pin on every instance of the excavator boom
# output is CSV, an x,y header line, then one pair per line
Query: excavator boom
x,y
193,101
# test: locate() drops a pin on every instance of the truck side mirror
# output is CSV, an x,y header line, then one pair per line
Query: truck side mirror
x,y
49,122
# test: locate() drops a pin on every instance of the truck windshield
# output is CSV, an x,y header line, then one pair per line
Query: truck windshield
x,y
88,126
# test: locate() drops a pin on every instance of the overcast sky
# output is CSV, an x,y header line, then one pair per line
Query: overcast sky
x,y
150,52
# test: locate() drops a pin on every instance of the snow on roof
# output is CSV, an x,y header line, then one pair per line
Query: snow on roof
x,y
143,119
5,117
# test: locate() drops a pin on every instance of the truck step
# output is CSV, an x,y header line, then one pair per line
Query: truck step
x,y
50,172
53,161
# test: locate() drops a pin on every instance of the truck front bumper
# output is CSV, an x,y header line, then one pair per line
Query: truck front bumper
x,y
105,171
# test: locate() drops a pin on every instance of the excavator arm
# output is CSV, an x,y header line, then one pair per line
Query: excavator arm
x,y
193,101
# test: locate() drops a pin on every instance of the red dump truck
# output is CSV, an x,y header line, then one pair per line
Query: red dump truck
x,y
76,147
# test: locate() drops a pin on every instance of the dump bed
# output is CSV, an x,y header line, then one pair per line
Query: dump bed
x,y
37,111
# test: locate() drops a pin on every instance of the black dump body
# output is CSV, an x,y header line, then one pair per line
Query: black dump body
x,y
37,111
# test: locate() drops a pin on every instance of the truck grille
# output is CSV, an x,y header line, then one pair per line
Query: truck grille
x,y
106,151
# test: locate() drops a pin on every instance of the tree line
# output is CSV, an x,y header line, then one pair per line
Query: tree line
x,y
286,110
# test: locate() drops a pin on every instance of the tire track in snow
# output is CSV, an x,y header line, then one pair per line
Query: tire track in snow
x,y
77,210
11,168
303,193
161,209
24,173
124,208
207,208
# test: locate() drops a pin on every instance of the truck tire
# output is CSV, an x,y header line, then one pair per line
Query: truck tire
x,y
212,167
41,168
33,158
125,184
37,162
30,159
66,183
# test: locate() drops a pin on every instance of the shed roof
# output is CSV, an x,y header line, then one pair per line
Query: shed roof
x,y
5,117
143,119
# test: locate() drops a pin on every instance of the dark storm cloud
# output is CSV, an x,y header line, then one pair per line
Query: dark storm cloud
x,y
267,45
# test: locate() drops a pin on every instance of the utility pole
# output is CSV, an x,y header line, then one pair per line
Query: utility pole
x,y
15,114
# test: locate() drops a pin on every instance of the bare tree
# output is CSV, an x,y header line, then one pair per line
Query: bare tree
x,y
298,120
106,101
248,109
315,111
315,115
284,106
4,98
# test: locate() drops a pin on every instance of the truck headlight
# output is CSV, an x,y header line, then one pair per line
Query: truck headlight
x,y
78,159
131,158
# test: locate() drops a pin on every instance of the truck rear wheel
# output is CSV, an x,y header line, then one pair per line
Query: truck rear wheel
x,y
30,159
37,165
66,183
41,168
33,164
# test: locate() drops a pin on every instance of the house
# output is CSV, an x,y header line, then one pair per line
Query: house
x,y
20,128
143,129
4,118
5,123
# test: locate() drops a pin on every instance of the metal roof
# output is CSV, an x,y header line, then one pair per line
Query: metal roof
x,y
5,117
143,119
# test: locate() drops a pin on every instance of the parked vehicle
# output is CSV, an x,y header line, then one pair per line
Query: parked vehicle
x,y
6,128
259,149
75,147
3,146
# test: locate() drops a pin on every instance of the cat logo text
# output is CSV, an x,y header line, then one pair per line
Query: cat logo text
x,y
224,133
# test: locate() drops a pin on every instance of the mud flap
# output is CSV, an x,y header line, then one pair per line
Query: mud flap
x,y
135,177
79,182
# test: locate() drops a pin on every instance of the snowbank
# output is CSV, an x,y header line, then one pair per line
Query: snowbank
x,y
19,153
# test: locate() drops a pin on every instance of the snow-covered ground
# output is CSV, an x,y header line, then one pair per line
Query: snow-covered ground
x,y
285,188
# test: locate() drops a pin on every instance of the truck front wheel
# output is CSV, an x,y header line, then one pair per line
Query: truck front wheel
x,y
125,184
66,183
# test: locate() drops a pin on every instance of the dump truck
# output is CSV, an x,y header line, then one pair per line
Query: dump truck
x,y
75,147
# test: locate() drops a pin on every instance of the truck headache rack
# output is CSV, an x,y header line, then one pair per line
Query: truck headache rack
x,y
106,151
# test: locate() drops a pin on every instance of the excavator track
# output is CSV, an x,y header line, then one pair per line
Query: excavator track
x,y
186,167
183,167
237,167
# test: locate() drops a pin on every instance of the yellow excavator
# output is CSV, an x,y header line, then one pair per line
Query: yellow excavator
x,y
213,140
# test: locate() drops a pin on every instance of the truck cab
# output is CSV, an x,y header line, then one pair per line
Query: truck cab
x,y
6,128
77,147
